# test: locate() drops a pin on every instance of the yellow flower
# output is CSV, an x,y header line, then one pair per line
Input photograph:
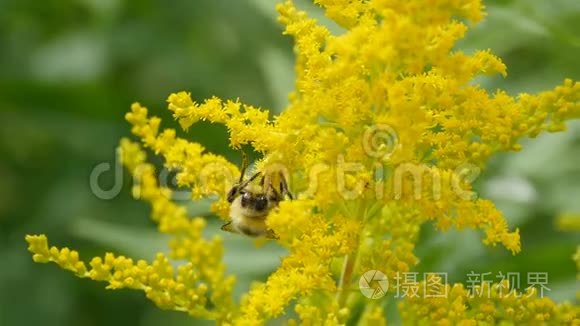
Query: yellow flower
x,y
384,133
496,306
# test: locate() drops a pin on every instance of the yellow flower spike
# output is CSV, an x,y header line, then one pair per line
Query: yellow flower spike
x,y
520,308
157,279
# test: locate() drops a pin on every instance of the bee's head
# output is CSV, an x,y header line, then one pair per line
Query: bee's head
x,y
257,202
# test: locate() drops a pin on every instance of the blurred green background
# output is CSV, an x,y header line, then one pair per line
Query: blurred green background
x,y
70,69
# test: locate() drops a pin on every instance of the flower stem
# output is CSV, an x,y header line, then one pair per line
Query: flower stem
x,y
345,282
346,278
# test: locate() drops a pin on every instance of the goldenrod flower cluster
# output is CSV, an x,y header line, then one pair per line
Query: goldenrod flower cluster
x,y
384,133
191,287
488,304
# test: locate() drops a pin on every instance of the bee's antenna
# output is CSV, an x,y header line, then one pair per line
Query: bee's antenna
x,y
244,165
245,183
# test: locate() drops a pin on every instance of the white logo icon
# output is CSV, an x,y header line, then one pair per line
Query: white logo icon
x,y
373,284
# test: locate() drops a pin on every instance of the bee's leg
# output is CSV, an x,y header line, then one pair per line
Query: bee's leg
x,y
277,197
271,235
284,187
229,227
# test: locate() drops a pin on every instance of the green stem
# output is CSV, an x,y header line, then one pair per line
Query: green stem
x,y
346,278
345,282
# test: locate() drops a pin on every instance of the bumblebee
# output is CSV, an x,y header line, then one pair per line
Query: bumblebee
x,y
250,202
